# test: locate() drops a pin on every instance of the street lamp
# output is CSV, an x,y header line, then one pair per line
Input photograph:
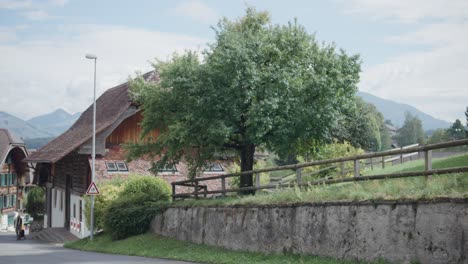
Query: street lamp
x,y
93,169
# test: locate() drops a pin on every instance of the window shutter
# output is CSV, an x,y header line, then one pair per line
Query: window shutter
x,y
1,202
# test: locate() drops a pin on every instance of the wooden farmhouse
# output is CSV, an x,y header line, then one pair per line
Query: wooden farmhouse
x,y
14,176
63,166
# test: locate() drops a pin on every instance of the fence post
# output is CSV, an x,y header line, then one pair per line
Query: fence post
x,y
223,186
342,167
401,156
372,163
257,181
205,189
173,192
356,168
428,161
299,176
196,189
383,162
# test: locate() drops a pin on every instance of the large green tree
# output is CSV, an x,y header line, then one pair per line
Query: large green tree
x,y
457,130
411,132
257,85
363,126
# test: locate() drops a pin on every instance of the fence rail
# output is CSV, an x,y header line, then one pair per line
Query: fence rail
x,y
410,150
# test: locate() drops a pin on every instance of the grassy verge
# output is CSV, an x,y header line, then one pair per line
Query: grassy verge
x,y
150,245
453,186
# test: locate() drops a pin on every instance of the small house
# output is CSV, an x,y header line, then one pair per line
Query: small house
x,y
14,176
63,166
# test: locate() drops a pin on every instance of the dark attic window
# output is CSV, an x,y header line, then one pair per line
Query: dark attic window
x,y
122,166
213,167
168,169
111,166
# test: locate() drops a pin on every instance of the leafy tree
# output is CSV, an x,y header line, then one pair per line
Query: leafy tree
x,y
257,85
457,131
35,203
364,127
411,132
466,116
438,136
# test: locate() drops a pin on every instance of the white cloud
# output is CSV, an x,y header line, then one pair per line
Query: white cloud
x,y
197,11
37,15
58,2
39,76
408,11
432,74
15,4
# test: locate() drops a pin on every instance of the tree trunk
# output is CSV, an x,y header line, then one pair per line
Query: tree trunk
x,y
247,162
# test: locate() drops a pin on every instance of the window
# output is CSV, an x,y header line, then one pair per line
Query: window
x,y
168,169
5,201
111,166
121,166
13,200
116,166
213,167
2,180
61,201
74,210
81,211
55,198
1,202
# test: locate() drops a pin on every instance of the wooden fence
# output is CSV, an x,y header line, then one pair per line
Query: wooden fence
x,y
202,190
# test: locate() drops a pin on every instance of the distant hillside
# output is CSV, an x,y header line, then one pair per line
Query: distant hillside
x,y
21,128
396,112
37,143
56,122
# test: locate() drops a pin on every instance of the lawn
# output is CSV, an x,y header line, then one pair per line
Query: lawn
x,y
452,186
151,245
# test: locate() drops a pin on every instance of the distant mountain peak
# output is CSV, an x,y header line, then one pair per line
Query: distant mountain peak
x,y
395,112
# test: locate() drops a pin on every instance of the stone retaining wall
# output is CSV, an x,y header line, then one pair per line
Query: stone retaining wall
x,y
397,231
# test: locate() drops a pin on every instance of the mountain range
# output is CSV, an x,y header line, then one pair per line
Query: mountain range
x,y
41,129
396,112
44,126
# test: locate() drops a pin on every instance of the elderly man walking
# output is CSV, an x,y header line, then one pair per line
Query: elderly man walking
x,y
18,225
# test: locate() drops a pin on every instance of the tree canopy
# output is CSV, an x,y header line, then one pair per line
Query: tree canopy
x,y
257,85
411,132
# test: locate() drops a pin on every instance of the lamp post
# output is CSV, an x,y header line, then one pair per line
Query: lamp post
x,y
93,169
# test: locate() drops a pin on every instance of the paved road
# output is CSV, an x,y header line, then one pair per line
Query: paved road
x,y
29,251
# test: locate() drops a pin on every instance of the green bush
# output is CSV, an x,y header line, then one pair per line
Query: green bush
x,y
35,203
140,200
154,189
127,217
331,151
109,191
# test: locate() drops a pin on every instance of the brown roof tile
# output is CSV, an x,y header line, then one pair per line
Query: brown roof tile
x,y
7,139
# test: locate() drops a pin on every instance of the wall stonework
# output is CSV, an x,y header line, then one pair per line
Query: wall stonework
x,y
397,231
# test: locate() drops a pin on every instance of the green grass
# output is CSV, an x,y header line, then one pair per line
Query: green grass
x,y
415,188
151,245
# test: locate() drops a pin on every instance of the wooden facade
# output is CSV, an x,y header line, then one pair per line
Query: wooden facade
x,y
129,131
12,180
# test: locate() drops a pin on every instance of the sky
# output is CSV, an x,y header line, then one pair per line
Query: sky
x,y
413,52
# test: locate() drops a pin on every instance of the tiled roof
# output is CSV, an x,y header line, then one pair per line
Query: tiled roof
x,y
7,139
109,107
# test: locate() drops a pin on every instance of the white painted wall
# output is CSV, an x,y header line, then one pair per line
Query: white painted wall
x,y
58,212
82,231
4,221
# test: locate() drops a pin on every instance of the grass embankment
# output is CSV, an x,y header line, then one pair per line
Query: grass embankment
x,y
417,188
150,245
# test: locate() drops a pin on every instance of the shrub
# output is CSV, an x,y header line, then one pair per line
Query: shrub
x,y
140,200
109,192
35,203
152,188
127,217
331,151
